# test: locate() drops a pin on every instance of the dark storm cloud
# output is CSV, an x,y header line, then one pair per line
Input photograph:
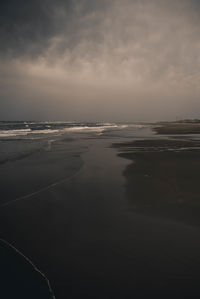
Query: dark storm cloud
x,y
26,26
24,23
30,27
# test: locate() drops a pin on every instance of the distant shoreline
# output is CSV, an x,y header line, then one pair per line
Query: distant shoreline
x,y
181,127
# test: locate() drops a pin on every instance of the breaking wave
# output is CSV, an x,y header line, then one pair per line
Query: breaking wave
x,y
15,129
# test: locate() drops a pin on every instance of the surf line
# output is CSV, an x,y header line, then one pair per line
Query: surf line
x,y
28,196
31,264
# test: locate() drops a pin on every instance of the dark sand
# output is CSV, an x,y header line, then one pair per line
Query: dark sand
x,y
94,235
163,179
178,128
19,277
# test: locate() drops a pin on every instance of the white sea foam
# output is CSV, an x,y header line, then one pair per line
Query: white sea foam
x,y
12,133
136,126
90,129
25,132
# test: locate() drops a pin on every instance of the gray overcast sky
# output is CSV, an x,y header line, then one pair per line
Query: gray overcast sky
x,y
99,60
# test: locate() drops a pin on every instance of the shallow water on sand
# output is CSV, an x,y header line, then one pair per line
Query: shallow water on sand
x,y
82,233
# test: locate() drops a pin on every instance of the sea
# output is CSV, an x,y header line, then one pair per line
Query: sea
x,y
37,154
22,138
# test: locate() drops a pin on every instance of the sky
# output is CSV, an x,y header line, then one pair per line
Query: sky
x,y
99,60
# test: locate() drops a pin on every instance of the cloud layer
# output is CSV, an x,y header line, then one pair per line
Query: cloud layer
x,y
96,60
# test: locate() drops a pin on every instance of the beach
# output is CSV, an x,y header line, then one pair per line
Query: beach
x,y
164,178
108,214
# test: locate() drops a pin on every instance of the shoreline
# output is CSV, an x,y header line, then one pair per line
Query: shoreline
x,y
163,178
174,128
20,278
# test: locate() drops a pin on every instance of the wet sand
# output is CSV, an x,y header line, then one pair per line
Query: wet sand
x,y
178,128
163,178
19,277
90,241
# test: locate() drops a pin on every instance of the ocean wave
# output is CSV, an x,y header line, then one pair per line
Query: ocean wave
x,y
138,126
25,132
12,133
89,128
13,129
